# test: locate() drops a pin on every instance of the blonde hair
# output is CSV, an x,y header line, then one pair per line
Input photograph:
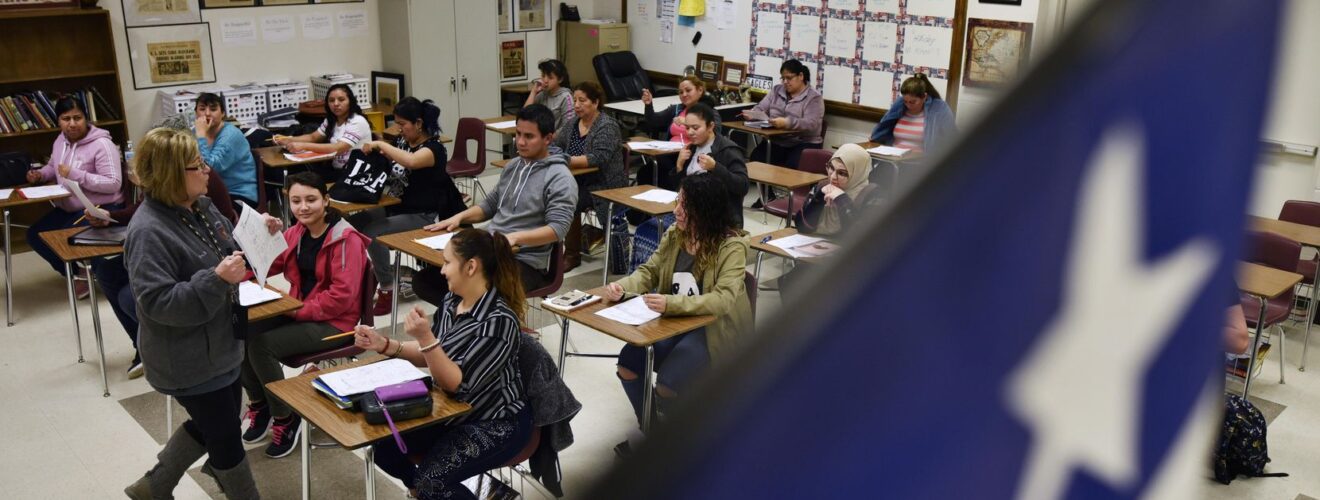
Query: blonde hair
x,y
696,82
161,160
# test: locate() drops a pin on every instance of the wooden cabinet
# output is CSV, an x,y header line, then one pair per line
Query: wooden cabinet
x,y
579,42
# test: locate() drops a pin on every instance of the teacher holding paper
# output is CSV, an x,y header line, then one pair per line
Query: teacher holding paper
x,y
83,154
183,268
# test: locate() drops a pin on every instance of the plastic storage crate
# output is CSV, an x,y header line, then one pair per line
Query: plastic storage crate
x,y
286,95
245,103
181,101
360,85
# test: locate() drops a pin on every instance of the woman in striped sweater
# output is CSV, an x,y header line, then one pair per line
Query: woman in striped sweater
x,y
919,120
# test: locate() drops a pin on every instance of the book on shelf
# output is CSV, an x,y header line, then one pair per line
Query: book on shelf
x,y
35,110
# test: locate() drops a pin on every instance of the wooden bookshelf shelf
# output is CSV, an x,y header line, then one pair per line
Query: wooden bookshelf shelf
x,y
102,124
66,76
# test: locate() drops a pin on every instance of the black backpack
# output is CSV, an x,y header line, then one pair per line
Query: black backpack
x,y
364,178
13,168
1241,449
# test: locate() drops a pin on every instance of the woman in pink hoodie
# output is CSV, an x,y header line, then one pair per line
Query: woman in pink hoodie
x,y
82,154
327,267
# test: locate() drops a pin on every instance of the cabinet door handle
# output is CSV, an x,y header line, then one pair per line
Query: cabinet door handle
x,y
453,85
464,83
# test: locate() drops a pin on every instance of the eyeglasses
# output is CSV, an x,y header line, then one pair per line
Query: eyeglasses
x,y
829,170
198,164
783,78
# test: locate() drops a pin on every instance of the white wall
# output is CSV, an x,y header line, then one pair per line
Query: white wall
x,y
1294,114
296,59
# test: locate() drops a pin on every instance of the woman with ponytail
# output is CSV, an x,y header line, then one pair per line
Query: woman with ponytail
x,y
919,120
471,353
418,178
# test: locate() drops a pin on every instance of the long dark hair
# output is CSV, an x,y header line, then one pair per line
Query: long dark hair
x,y
709,221
353,107
413,110
919,86
497,264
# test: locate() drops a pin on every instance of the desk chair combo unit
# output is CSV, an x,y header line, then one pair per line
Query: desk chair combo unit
x,y
1271,306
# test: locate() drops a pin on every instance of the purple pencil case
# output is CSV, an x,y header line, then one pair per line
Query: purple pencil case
x,y
406,390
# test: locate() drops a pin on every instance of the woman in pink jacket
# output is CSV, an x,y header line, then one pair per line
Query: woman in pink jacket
x,y
326,265
82,154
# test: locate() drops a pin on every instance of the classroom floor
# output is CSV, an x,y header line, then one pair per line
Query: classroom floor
x,y
67,441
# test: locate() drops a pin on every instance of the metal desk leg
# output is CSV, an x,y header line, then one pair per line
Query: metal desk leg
x,y
394,308
789,221
284,205
1255,347
563,345
648,383
757,273
9,277
169,415
306,445
96,328
369,456
655,169
73,306
609,237
1311,317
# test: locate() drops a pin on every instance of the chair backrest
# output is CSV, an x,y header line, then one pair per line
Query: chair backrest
x,y
813,161
261,182
1301,212
366,300
219,195
621,75
1272,250
749,283
469,130
556,273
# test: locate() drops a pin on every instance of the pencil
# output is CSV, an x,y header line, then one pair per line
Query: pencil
x,y
337,335
84,216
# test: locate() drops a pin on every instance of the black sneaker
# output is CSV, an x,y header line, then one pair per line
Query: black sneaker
x,y
283,436
135,369
258,422
622,450
757,205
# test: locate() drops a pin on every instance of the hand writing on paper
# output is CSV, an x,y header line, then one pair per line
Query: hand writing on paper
x,y
655,302
231,268
613,292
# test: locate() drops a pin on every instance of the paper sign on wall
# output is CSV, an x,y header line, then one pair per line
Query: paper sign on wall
x,y
277,29
805,36
927,46
238,31
770,30
317,26
352,23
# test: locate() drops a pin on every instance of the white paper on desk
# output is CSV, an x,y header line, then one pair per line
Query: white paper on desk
x,y
251,294
888,151
655,145
6,193
754,115
92,209
367,378
307,156
789,243
259,246
633,312
657,195
43,191
436,242
503,125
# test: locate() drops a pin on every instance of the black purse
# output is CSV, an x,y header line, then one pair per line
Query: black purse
x,y
14,168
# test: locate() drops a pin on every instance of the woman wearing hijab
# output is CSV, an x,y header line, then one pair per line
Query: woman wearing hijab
x,y
833,205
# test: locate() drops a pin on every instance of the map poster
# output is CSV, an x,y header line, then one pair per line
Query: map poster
x,y
175,61
996,52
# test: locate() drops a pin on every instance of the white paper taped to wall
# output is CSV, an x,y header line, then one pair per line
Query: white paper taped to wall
x,y
927,46
770,30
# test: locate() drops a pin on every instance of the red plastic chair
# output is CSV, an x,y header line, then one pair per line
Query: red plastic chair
x,y
1271,250
812,161
1307,213
459,167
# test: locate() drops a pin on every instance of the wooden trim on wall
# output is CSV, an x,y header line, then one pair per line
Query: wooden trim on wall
x,y
857,111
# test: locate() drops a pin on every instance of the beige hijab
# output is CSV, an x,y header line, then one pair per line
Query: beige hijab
x,y
858,163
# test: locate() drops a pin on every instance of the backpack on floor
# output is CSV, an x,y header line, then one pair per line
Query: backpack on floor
x,y
647,239
1241,449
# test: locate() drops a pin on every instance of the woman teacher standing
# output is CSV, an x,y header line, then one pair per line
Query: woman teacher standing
x,y
183,268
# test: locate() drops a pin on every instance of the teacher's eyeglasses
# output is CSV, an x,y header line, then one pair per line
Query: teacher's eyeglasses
x,y
198,164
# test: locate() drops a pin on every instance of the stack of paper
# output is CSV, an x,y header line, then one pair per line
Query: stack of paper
x,y
633,312
657,196
307,156
92,209
436,242
251,294
655,145
800,246
43,191
260,247
368,377
6,193
888,151
503,125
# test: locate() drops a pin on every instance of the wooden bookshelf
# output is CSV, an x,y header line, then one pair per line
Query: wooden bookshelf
x,y
58,50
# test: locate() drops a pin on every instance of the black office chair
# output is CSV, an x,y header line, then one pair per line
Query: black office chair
x,y
623,77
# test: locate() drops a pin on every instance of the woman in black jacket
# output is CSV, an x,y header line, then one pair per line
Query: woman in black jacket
x,y
710,153
668,123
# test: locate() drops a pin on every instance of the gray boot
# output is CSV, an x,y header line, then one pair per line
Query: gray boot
x,y
235,483
171,463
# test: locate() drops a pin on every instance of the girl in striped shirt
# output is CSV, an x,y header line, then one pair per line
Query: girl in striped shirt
x,y
471,353
918,120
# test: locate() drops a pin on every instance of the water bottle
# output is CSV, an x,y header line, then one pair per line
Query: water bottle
x,y
128,152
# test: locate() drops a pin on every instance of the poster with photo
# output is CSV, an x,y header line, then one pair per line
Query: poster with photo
x,y
166,56
159,12
513,59
532,15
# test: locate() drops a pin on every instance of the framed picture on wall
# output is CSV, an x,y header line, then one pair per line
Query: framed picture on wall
x,y
160,12
168,56
513,58
505,15
996,52
531,15
285,2
386,88
708,67
1003,2
733,74
226,4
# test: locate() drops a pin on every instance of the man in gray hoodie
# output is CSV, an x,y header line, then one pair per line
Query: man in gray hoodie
x,y
532,205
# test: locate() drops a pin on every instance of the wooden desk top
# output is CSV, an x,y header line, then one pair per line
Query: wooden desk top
x,y
351,208
505,118
575,171
273,157
788,178
911,155
404,242
58,240
1301,233
16,199
1263,281
650,152
771,249
350,429
641,335
624,196
274,308
764,132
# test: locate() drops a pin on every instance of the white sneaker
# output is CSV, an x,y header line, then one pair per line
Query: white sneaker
x,y
135,370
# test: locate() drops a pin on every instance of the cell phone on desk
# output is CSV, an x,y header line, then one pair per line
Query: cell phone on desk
x,y
571,299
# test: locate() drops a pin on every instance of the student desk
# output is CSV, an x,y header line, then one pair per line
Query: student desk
x,y
58,240
347,208
650,155
405,243
644,335
350,429
787,178
1264,283
761,243
1308,236
266,310
624,196
507,130
6,205
894,162
769,134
